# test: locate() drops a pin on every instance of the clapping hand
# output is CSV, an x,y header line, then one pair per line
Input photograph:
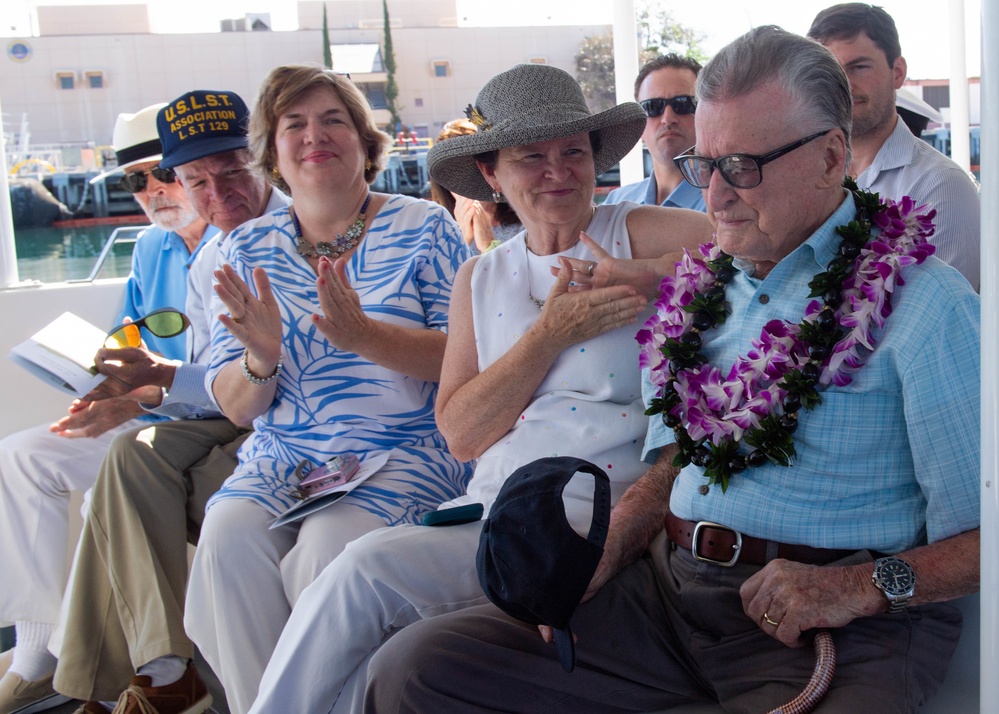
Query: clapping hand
x,y
254,321
343,322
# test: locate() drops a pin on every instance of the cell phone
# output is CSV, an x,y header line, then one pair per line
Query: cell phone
x,y
454,516
335,472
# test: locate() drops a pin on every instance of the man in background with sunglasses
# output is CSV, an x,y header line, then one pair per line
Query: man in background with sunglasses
x,y
707,593
665,89
887,158
40,467
150,496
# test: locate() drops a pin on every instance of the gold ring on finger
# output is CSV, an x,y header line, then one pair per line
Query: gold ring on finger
x,y
766,619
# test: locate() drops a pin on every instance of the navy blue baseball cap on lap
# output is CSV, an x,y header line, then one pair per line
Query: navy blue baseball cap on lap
x,y
531,563
201,123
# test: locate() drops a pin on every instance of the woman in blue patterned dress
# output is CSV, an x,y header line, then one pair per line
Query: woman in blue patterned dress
x,y
335,349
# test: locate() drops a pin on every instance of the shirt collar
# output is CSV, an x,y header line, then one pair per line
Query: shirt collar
x,y
895,153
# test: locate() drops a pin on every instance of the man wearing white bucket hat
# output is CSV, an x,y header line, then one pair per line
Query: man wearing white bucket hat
x,y
39,467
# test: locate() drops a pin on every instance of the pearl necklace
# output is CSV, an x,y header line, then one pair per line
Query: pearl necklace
x,y
341,243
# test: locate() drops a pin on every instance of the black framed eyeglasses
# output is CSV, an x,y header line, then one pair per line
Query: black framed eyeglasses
x,y
681,105
137,180
738,170
165,322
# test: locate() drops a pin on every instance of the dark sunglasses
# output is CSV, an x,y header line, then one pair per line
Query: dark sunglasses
x,y
738,170
137,181
682,105
165,322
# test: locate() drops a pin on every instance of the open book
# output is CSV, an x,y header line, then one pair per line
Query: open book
x,y
62,354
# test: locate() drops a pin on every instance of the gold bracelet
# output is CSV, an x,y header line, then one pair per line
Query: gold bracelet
x,y
254,379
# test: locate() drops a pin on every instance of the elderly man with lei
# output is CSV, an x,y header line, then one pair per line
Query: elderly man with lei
x,y
829,480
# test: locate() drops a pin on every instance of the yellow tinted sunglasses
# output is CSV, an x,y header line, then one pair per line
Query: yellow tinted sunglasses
x,y
165,322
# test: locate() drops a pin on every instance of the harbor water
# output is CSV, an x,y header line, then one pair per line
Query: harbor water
x,y
53,254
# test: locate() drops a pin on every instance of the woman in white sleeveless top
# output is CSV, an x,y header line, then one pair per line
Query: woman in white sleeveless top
x,y
537,364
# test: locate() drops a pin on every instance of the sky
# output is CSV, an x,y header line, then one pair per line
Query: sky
x,y
922,24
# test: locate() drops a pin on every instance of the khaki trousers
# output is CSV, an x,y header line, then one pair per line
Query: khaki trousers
x,y
125,604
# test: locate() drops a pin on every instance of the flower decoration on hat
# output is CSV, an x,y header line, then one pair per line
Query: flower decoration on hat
x,y
475,116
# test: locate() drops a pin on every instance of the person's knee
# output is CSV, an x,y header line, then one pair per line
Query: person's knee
x,y
228,528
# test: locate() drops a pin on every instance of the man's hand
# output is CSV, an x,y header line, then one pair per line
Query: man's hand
x,y
133,373
90,419
801,597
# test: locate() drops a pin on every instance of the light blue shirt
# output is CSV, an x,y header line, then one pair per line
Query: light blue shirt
x,y
887,462
645,192
907,166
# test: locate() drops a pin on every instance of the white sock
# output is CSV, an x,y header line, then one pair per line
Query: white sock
x,y
32,659
164,670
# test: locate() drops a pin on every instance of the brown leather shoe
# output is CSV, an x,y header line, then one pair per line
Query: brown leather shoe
x,y
188,695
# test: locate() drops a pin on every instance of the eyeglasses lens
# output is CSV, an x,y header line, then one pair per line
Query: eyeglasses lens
x,y
165,324
681,105
125,336
137,180
738,171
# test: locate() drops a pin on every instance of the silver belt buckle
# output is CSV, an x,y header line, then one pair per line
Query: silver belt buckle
x,y
736,549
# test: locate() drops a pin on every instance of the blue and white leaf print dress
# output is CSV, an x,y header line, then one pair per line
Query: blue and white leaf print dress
x,y
330,401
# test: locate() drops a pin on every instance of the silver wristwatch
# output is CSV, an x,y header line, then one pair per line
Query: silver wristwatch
x,y
896,579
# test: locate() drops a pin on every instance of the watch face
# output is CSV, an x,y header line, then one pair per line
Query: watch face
x,y
896,576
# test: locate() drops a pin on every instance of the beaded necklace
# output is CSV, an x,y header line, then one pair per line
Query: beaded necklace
x,y
341,243
757,403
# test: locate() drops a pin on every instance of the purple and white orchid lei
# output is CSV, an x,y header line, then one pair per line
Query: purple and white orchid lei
x,y
757,402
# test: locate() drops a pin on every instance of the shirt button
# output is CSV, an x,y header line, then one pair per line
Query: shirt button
x,y
764,299
703,490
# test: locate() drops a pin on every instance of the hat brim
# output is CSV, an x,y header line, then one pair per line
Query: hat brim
x,y
121,169
199,150
452,163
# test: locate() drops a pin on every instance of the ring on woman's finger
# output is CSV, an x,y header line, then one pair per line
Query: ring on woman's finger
x,y
238,320
766,619
589,271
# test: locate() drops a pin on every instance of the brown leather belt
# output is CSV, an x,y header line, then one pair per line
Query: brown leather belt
x,y
718,544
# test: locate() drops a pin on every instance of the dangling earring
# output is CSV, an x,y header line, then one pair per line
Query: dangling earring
x,y
367,164
275,174
498,197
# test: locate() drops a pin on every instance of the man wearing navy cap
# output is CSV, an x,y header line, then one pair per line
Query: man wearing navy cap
x,y
149,499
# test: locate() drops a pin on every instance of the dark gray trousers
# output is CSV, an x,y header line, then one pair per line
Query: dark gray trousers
x,y
666,631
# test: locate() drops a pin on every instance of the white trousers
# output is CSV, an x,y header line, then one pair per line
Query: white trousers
x,y
381,582
38,471
245,579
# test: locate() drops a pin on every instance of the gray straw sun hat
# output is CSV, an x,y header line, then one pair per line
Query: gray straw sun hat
x,y
524,105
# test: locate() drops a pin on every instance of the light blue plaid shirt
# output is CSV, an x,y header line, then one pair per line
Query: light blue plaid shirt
x,y
887,462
